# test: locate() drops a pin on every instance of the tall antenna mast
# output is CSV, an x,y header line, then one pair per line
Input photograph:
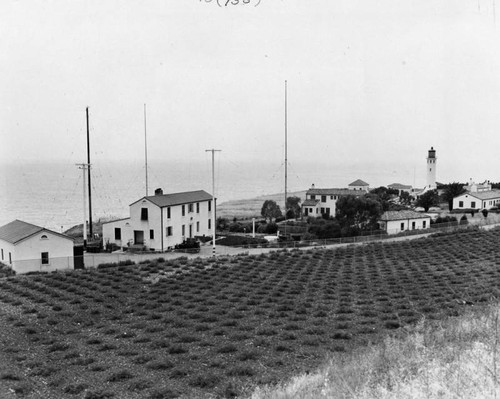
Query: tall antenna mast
x,y
286,149
146,150
213,198
90,185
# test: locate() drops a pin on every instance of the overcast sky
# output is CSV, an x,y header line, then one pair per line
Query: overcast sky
x,y
368,81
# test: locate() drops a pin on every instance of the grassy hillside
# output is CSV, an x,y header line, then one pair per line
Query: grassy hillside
x,y
206,328
453,358
246,209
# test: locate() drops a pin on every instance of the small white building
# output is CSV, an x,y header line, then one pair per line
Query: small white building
x,y
359,185
322,201
161,221
477,200
29,248
394,222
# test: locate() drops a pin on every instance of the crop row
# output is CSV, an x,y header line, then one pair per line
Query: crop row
x,y
217,326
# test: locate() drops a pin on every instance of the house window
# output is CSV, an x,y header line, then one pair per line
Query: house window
x,y
151,234
311,210
402,226
183,211
323,198
183,230
45,258
209,206
144,213
197,207
460,204
473,204
209,224
313,197
169,231
190,208
331,197
44,237
168,213
322,210
10,258
118,233
413,225
197,227
424,224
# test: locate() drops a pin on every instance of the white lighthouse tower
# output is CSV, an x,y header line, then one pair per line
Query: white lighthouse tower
x,y
431,169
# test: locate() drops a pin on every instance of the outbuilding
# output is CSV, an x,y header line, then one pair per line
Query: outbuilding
x,y
394,222
28,248
477,200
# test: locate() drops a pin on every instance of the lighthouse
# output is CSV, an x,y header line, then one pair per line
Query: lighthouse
x,y
431,169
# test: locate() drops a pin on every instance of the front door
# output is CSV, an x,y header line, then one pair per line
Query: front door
x,y
190,231
138,237
78,260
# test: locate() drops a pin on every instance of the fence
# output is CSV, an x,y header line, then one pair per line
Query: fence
x,y
92,260
391,235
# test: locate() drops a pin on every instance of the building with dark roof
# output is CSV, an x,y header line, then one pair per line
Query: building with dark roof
x,y
161,221
359,185
322,201
26,248
477,200
394,222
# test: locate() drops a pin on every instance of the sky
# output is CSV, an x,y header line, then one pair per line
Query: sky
x,y
368,82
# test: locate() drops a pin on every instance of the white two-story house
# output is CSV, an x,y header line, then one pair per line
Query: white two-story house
x,y
322,201
161,221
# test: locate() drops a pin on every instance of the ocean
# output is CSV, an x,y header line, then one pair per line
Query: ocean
x,y
50,194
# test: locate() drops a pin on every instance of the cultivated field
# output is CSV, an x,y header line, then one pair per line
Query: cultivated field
x,y
207,328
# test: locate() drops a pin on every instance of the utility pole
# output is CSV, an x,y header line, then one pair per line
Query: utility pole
x,y
84,167
90,186
286,149
213,198
146,150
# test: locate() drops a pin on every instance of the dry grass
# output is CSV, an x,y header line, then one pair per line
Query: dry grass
x,y
456,358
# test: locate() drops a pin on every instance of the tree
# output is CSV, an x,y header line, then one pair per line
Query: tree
x,y
428,199
358,212
405,198
451,191
292,207
384,195
270,210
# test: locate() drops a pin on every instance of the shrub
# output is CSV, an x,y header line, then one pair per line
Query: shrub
x,y
75,389
463,220
121,375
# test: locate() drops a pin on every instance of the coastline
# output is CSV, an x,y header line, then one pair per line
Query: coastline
x,y
249,208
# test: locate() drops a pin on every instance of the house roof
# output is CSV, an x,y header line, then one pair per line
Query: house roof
x,y
334,191
177,198
402,215
359,182
116,220
18,230
483,195
399,186
310,202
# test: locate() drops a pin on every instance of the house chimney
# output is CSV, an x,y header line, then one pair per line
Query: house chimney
x,y
158,191
312,185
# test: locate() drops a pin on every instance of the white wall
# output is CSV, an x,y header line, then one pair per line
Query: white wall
x,y
161,240
394,226
176,221
468,199
27,254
